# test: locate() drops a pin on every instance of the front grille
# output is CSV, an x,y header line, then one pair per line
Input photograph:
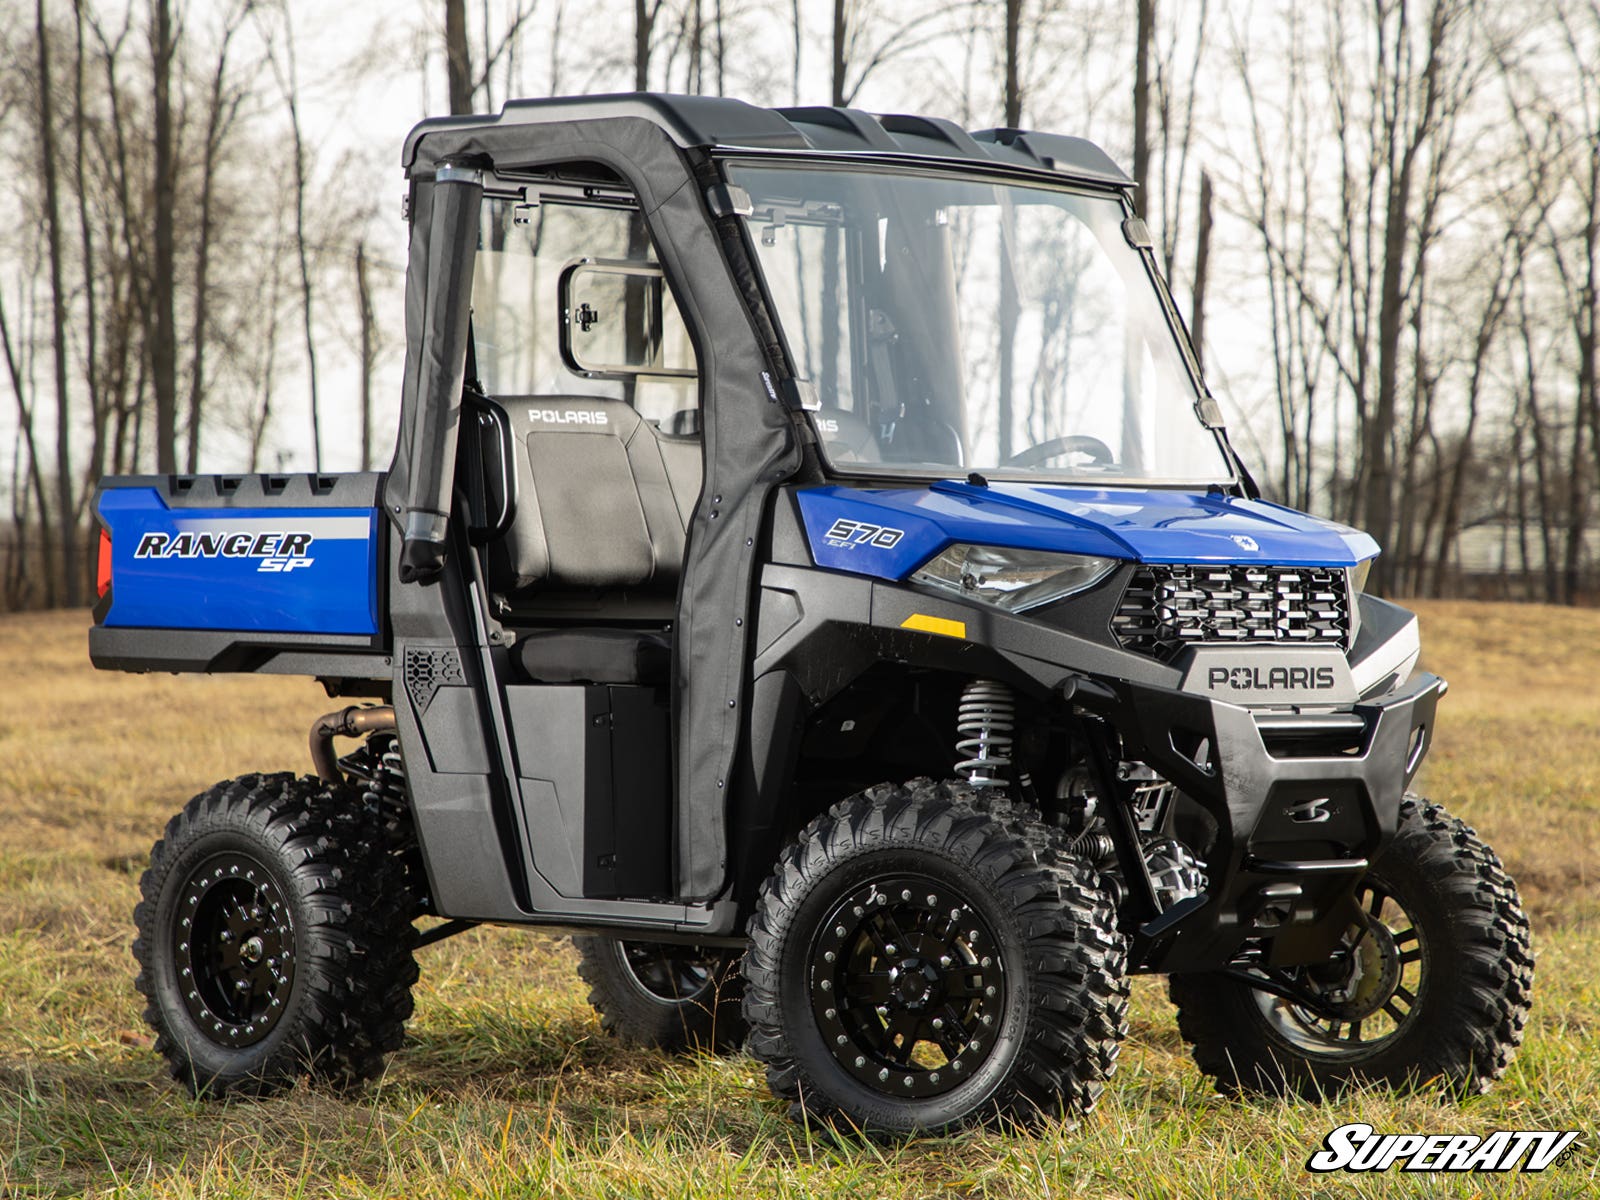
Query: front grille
x,y
1166,608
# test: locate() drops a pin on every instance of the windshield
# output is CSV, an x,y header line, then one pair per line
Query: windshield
x,y
950,325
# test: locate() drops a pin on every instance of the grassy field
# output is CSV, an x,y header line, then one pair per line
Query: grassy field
x,y
507,1087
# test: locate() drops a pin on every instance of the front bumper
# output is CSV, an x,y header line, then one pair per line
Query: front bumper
x,y
1302,803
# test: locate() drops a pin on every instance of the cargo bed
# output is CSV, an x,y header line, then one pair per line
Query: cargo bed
x,y
274,573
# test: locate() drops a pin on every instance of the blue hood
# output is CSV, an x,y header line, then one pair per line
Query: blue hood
x,y
889,532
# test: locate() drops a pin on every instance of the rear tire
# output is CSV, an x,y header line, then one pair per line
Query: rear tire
x,y
274,939
918,962
652,995
1441,992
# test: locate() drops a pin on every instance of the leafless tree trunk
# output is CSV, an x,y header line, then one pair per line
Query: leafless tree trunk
x,y
35,475
1202,267
1144,35
458,56
71,573
222,106
1010,302
645,13
369,352
291,90
163,267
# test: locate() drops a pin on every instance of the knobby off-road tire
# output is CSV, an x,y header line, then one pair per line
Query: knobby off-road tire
x,y
658,996
1453,1017
274,938
919,961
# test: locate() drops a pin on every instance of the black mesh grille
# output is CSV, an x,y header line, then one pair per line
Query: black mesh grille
x,y
1166,608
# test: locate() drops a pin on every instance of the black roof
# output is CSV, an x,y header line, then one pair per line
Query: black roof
x,y
716,122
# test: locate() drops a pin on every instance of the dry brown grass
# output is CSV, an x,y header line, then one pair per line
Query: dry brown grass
x,y
507,1088
1518,745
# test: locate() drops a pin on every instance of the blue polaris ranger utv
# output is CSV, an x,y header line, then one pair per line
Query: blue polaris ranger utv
x,y
813,574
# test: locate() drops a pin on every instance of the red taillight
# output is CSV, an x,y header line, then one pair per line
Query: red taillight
x,y
102,577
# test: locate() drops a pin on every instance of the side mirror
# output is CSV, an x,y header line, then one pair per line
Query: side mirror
x,y
618,321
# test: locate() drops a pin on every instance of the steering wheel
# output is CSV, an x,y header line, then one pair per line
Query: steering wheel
x,y
1077,443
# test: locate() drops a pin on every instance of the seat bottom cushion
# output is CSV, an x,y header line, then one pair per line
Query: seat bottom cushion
x,y
597,656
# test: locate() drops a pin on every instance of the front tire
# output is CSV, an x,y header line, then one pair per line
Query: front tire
x,y
919,962
651,995
1436,992
274,939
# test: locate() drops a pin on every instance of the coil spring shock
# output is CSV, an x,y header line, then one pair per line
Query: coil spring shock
x,y
385,795
385,792
985,719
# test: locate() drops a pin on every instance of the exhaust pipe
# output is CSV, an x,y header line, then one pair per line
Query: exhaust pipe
x,y
354,721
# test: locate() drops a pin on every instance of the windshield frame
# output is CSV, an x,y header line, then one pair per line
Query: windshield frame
x,y
1204,408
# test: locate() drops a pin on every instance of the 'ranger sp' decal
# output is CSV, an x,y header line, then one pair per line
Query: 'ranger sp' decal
x,y
277,551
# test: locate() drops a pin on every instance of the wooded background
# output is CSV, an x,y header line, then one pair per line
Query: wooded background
x,y
1381,217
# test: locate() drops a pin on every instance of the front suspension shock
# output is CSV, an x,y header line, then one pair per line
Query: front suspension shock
x,y
985,720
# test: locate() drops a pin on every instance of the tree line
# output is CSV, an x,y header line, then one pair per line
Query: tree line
x,y
1382,218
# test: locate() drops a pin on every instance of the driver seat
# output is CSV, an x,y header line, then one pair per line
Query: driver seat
x,y
602,510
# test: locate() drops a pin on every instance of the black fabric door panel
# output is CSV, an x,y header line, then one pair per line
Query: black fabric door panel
x,y
751,445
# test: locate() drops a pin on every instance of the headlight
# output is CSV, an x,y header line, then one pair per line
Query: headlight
x,y
1358,584
1358,577
1015,580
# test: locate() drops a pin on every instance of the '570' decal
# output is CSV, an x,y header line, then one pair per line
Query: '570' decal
x,y
845,532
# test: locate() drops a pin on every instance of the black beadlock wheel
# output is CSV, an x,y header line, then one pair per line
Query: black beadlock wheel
x,y
655,995
1433,987
921,960
274,938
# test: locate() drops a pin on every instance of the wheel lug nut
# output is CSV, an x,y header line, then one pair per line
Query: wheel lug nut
x,y
989,991
841,1039
831,1013
829,956
908,1081
906,894
932,900
860,1061
826,985
938,1022
883,1073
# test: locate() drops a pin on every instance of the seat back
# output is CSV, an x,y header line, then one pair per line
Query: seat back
x,y
603,499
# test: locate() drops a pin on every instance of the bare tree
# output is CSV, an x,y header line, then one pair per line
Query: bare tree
x,y
289,85
369,352
222,109
1143,36
458,56
1202,267
163,267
